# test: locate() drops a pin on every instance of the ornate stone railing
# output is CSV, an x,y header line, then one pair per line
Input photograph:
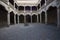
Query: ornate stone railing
x,y
21,11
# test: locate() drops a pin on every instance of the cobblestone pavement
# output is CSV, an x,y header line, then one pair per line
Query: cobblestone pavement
x,y
30,32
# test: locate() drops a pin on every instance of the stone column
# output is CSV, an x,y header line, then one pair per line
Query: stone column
x,y
40,14
31,14
8,15
18,19
45,17
8,18
14,19
24,19
58,16
14,14
45,13
37,16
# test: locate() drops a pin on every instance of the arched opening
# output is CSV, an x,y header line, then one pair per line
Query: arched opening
x,y
16,18
28,18
21,8
39,18
12,18
34,8
52,15
3,16
43,17
27,8
21,19
34,18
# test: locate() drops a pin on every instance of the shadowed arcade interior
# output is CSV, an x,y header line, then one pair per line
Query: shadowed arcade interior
x,y
28,18
34,18
21,19
3,16
52,15
43,17
12,18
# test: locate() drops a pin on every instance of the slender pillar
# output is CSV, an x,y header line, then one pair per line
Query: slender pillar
x,y
45,17
40,14
14,19
24,19
14,14
45,13
18,19
8,15
8,18
58,17
31,14
24,15
37,16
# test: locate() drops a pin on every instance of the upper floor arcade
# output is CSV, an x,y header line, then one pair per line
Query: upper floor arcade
x,y
28,8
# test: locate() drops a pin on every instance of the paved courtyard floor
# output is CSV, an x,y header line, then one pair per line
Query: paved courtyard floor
x,y
30,32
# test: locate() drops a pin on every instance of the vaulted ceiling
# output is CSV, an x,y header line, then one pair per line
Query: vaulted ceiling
x,y
27,2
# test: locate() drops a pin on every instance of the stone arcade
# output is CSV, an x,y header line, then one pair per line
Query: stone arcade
x,y
44,11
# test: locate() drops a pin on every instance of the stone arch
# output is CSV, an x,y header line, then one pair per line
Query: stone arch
x,y
21,19
3,16
21,7
34,18
43,17
34,8
52,15
12,18
27,8
3,4
28,18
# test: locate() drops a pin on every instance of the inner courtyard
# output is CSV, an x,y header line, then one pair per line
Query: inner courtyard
x,y
29,19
